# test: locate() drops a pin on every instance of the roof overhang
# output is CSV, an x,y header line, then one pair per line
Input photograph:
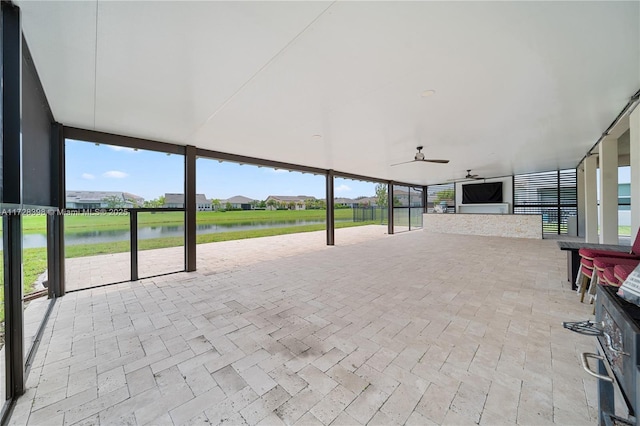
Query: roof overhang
x,y
519,86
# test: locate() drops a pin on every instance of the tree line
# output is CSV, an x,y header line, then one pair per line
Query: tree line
x,y
218,205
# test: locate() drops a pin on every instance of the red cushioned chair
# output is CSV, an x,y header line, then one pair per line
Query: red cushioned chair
x,y
601,265
585,273
634,253
621,272
615,275
608,277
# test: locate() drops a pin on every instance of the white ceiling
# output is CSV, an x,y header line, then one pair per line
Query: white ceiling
x,y
520,86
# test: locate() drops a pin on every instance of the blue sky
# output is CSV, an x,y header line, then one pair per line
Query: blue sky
x,y
151,174
624,174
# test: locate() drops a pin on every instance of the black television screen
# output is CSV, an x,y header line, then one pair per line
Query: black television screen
x,y
482,193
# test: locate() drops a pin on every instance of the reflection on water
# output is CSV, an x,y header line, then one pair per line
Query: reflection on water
x,y
150,232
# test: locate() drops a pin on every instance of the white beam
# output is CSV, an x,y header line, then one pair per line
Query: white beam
x,y
634,124
590,199
608,209
581,204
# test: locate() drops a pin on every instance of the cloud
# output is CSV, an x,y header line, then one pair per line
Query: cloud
x,y
342,188
88,176
121,148
116,174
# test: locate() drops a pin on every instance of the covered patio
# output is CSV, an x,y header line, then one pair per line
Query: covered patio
x,y
442,334
536,102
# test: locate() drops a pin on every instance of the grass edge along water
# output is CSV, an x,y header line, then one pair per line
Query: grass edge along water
x,y
35,259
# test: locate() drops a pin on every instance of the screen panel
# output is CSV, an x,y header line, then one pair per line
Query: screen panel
x,y
441,198
36,136
11,111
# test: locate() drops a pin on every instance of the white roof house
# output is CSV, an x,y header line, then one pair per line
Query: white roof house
x,y
295,202
173,200
101,199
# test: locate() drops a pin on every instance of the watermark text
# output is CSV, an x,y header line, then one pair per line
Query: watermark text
x,y
64,212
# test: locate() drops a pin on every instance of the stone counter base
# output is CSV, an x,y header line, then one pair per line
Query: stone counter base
x,y
494,225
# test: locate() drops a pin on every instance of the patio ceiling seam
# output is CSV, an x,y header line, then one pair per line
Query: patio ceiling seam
x,y
259,71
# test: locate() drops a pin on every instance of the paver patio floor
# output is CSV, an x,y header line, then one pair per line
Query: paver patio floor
x,y
414,328
85,272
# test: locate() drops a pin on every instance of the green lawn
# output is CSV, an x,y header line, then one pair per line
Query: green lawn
x,y
624,231
35,260
37,224
156,243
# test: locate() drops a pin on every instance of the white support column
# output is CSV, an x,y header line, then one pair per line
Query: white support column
x,y
634,124
590,200
581,205
608,159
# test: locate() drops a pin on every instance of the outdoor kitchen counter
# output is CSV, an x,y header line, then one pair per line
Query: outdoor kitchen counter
x,y
492,225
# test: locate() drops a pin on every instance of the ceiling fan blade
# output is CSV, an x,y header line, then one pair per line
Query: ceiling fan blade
x,y
404,162
467,178
430,160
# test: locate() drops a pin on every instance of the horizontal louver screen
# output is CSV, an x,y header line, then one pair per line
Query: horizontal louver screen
x,y
568,188
536,189
550,194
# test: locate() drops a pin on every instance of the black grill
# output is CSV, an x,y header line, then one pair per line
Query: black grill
x,y
617,330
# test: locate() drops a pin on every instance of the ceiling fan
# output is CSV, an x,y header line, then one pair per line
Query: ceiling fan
x,y
469,176
420,157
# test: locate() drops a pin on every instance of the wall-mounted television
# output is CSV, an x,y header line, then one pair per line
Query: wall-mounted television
x,y
482,193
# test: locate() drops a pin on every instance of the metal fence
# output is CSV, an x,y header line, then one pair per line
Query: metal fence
x,y
371,214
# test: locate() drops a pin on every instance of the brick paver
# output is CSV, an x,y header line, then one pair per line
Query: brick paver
x,y
413,328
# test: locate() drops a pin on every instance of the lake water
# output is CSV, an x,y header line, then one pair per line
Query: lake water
x,y
151,232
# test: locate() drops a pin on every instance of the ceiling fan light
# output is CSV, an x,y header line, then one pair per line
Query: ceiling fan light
x,y
419,156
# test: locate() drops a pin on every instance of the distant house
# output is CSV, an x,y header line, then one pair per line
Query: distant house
x,y
367,201
102,200
176,201
345,202
291,202
239,202
401,197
